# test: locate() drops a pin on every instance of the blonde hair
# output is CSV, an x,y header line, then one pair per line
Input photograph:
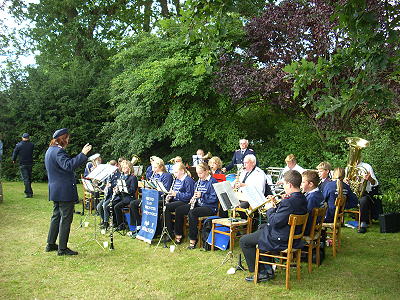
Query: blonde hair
x,y
128,164
216,160
325,166
338,173
204,167
181,166
159,162
290,157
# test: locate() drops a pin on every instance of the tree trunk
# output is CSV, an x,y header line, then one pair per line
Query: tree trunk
x,y
164,8
147,15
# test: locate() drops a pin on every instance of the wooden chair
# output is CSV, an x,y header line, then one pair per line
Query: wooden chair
x,y
287,254
356,211
313,240
334,229
233,230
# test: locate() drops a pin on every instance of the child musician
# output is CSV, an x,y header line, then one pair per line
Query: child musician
x,y
159,174
203,203
181,192
122,199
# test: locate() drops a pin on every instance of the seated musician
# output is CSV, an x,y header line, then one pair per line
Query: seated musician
x,y
330,194
315,199
273,236
251,176
180,194
96,160
122,199
239,155
149,170
291,164
203,203
324,169
215,164
159,174
102,207
368,203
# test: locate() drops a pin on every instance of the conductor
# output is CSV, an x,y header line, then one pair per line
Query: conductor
x,y
62,189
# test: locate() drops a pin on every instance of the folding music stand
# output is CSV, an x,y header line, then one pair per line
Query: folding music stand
x,y
228,201
161,188
98,175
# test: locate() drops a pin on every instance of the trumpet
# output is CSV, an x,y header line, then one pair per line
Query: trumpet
x,y
274,200
194,200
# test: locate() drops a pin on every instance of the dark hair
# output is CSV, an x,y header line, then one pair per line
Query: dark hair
x,y
293,177
311,176
61,140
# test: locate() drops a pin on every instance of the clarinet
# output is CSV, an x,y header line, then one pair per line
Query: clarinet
x,y
194,200
111,220
168,197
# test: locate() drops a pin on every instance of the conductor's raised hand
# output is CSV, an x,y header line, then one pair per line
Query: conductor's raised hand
x,y
86,149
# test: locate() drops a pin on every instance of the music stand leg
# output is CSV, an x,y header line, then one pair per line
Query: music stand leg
x,y
165,229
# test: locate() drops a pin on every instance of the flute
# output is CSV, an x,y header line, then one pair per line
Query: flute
x,y
194,200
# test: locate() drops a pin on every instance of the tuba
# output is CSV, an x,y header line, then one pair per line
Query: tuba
x,y
354,173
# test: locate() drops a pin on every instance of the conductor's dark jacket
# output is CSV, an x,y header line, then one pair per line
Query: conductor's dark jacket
x,y
238,157
275,234
60,172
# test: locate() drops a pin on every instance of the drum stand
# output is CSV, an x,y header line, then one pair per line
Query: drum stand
x,y
165,229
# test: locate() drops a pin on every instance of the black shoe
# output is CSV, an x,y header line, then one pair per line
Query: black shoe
x,y
51,247
262,277
120,227
67,252
192,246
28,196
362,230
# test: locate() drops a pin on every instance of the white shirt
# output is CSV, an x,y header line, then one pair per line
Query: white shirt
x,y
257,179
369,170
296,168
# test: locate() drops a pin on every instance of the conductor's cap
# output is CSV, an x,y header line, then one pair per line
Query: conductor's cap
x,y
59,132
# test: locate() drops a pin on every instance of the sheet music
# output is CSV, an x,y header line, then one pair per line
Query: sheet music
x,y
121,186
161,187
101,172
253,195
88,185
226,195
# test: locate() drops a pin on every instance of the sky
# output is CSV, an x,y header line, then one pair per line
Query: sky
x,y
9,24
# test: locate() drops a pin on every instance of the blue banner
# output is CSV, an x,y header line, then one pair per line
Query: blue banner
x,y
149,215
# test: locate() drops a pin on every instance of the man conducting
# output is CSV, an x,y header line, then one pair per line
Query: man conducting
x,y
239,155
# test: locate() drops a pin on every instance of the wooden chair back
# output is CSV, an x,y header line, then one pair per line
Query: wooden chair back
x,y
287,254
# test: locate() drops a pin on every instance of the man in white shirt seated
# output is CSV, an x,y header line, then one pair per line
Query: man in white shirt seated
x,y
251,176
367,202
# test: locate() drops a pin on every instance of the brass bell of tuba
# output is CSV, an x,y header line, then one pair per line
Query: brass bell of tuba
x,y
354,173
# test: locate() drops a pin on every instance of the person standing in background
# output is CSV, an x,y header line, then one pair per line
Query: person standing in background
x,y
24,151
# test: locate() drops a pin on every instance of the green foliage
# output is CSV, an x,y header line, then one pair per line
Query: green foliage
x,y
391,196
360,76
158,98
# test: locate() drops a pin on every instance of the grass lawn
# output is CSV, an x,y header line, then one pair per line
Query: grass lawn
x,y
367,266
